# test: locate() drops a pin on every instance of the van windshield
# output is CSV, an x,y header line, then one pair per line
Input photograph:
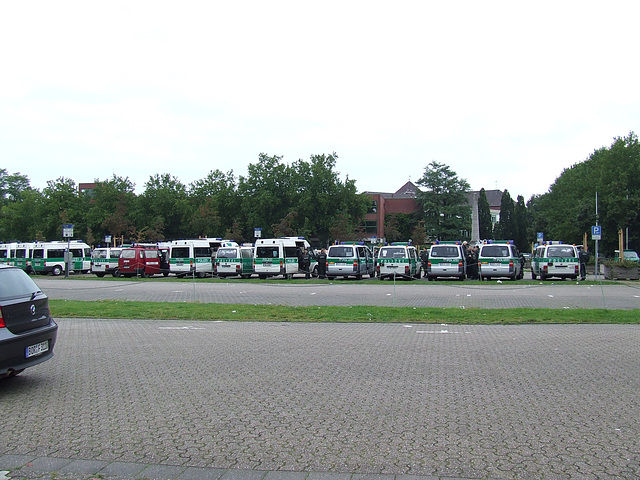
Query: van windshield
x,y
494,251
445,251
340,252
128,253
99,254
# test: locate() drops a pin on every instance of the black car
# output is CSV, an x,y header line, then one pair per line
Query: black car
x,y
27,331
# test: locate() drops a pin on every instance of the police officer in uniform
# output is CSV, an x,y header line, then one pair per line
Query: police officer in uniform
x,y
322,263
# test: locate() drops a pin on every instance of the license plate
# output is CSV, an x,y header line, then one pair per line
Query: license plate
x,y
267,264
560,266
225,265
445,264
341,264
37,349
496,264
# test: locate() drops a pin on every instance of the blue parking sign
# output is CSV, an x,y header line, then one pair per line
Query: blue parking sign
x,y
596,232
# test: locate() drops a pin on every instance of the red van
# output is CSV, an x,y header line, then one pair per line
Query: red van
x,y
139,260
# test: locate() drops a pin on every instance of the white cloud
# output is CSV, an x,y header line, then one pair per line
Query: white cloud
x,y
506,93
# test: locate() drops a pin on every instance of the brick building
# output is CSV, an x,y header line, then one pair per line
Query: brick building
x,y
404,201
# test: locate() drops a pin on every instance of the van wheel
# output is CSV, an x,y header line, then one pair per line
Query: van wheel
x,y
99,275
288,276
262,277
533,275
116,273
358,277
57,270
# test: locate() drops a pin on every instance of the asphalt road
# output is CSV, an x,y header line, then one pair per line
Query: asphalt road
x,y
507,294
179,399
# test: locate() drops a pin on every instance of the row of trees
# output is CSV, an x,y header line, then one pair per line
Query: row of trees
x,y
305,198
308,198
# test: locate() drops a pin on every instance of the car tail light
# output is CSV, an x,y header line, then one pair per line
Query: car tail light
x,y
2,324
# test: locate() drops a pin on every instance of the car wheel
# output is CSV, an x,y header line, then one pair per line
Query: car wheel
x,y
57,270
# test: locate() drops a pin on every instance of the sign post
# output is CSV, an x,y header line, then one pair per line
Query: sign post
x,y
596,234
67,232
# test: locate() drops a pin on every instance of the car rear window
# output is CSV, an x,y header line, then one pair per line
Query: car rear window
x,y
444,251
495,251
14,283
227,253
267,252
561,252
392,252
340,252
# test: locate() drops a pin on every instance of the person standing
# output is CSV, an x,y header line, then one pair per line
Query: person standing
x,y
322,263
583,258
305,263
424,259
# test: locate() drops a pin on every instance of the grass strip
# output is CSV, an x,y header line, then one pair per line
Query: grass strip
x,y
352,314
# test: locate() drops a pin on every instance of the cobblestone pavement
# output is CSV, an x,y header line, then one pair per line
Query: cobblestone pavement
x,y
401,293
177,399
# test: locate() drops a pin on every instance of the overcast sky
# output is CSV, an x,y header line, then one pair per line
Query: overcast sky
x,y
507,94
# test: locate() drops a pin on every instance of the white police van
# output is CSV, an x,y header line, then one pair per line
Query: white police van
x,y
190,257
499,258
400,259
279,256
350,259
49,257
447,259
555,259
234,261
104,260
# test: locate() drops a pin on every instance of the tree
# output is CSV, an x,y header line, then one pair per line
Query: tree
x,y
567,211
11,186
443,203
22,219
265,193
62,204
399,227
215,204
164,209
521,223
110,208
484,216
308,194
506,228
